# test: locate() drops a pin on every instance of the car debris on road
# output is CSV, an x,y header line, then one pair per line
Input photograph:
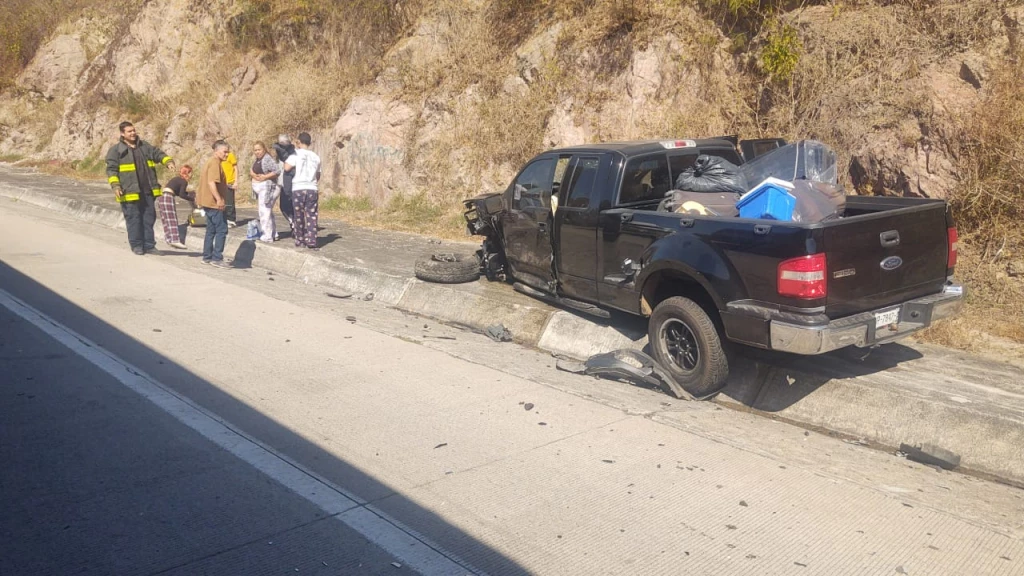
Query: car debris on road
x,y
630,365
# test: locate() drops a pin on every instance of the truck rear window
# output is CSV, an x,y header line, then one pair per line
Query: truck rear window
x,y
649,178
646,178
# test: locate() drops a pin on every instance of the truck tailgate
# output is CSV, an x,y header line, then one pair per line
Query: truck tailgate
x,y
879,259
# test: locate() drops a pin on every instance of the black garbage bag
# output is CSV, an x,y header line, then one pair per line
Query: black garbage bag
x,y
712,174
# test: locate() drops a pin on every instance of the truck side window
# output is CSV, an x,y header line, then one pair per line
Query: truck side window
x,y
646,179
582,185
533,186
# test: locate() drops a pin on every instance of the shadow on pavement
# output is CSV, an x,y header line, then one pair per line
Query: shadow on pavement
x,y
773,381
242,417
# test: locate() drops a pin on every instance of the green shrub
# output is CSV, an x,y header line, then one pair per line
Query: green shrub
x,y
781,52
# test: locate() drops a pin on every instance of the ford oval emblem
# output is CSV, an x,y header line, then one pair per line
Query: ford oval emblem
x,y
892,263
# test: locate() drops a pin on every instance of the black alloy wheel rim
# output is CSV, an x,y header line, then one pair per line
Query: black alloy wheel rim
x,y
681,345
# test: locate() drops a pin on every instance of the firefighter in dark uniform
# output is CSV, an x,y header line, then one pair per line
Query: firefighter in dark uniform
x,y
131,172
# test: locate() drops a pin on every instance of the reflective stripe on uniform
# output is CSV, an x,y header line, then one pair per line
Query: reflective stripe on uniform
x,y
114,180
126,168
150,163
165,160
128,198
157,192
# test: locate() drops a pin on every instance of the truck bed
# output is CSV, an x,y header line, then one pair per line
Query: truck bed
x,y
883,251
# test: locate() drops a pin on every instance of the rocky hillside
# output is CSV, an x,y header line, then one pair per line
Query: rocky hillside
x,y
415,104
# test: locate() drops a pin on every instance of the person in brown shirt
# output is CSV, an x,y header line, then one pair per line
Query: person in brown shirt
x,y
210,197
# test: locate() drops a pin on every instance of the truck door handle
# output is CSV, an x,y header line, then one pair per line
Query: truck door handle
x,y
890,238
543,226
626,217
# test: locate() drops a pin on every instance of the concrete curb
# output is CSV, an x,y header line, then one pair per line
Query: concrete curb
x,y
880,405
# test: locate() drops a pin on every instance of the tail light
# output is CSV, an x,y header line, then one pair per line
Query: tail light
x,y
804,277
953,241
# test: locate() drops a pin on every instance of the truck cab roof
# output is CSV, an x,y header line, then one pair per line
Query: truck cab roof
x,y
641,147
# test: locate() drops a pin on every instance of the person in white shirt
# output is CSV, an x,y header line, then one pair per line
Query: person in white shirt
x,y
305,196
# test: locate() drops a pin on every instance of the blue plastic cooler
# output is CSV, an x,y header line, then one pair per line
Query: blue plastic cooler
x,y
768,201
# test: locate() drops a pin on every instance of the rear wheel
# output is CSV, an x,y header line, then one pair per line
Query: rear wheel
x,y
686,343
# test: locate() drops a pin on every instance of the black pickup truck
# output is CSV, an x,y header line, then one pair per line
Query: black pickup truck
x,y
879,273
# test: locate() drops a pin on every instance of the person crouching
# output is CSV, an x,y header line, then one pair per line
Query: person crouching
x,y
175,187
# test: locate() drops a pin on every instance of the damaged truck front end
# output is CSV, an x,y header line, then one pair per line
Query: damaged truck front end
x,y
483,218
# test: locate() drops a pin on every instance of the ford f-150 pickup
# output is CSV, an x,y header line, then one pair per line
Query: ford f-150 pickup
x,y
878,273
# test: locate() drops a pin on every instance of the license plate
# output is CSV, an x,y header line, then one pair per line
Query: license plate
x,y
886,318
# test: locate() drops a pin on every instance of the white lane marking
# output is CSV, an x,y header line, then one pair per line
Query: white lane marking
x,y
415,552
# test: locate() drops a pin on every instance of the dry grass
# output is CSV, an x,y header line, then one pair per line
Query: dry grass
x,y
416,213
989,206
292,97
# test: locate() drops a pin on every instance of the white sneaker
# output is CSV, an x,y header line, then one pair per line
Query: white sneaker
x,y
177,245
232,224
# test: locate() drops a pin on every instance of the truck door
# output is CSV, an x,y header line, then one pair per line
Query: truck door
x,y
576,226
645,180
527,224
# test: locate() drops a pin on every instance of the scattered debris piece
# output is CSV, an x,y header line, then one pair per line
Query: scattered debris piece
x,y
608,461
571,366
743,503
442,337
730,526
542,423
269,273
751,556
633,366
271,279
498,333
931,455
441,445
528,406
286,341
157,330
901,570
800,565
338,296
351,319
396,564
368,297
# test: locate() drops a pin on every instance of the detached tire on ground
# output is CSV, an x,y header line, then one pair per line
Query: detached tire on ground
x,y
686,343
448,268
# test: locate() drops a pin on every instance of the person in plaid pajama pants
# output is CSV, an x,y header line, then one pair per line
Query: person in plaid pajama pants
x,y
177,186
305,194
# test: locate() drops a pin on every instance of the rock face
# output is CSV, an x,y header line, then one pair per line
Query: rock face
x,y
371,138
54,72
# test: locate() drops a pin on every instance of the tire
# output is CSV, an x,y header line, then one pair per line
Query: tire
x,y
676,323
448,268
